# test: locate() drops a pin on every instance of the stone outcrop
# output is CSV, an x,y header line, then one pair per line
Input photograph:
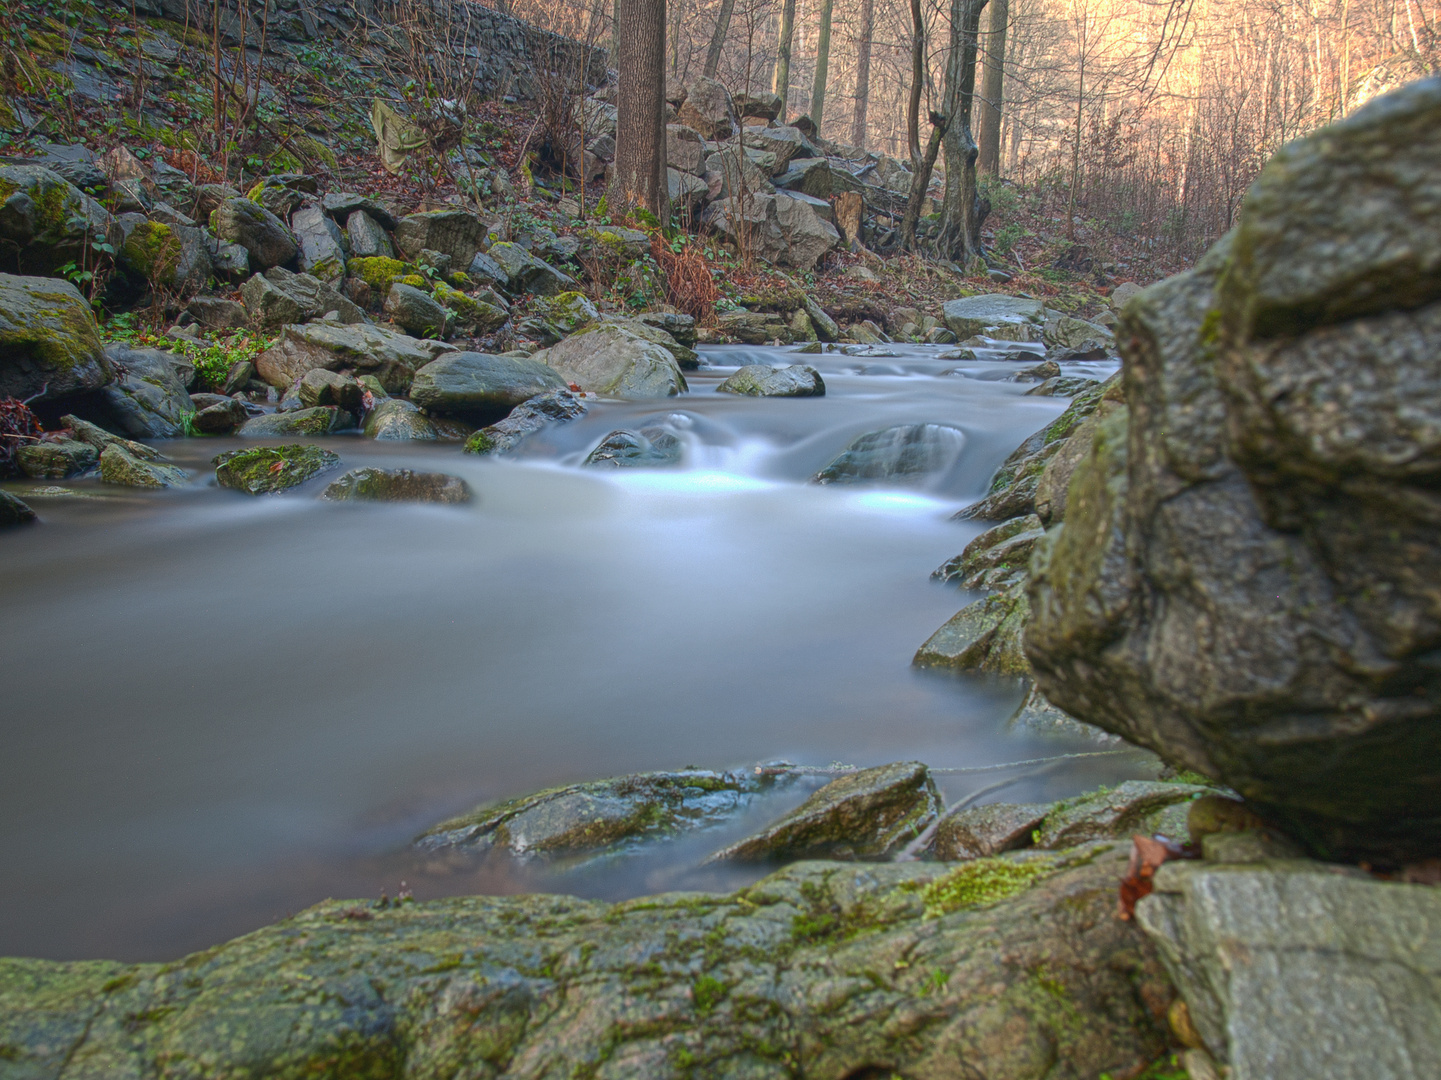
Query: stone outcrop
x,y
479,384
391,357
49,345
1246,580
612,360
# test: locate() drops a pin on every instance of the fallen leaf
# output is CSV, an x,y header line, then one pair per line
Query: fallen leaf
x,y
1148,853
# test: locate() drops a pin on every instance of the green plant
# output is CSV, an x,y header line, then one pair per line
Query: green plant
x,y
707,992
1007,236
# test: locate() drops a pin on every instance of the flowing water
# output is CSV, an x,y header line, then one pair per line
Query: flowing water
x,y
220,709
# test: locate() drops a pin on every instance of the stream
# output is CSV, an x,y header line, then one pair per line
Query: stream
x,y
221,709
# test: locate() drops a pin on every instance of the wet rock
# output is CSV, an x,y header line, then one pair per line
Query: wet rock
x,y
555,407
322,251
415,312
595,816
119,466
1270,494
321,387
522,272
762,380
1349,989
613,360
650,985
216,414
317,421
995,559
982,831
870,814
480,384
147,400
1040,373
984,636
651,447
15,511
268,470
264,236
1086,350
391,357
49,460
49,344
1063,386
1147,807
906,454
398,485
278,297
457,233
101,440
46,221
1035,715
398,420
995,315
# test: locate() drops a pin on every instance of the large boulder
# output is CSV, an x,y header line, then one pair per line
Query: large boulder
x,y
1247,577
708,109
762,380
518,271
398,420
390,356
457,233
322,248
264,236
173,255
995,315
553,407
481,385
909,453
367,239
617,362
415,312
685,149
780,229
278,297
49,344
46,221
148,401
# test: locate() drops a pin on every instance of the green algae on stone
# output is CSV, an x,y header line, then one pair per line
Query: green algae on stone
x,y
379,271
119,466
270,469
398,485
49,342
982,881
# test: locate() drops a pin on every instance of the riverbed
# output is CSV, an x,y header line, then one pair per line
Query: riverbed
x,y
221,709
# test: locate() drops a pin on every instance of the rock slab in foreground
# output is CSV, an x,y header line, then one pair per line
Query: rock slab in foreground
x,y
480,384
819,971
267,470
870,814
1295,970
1248,580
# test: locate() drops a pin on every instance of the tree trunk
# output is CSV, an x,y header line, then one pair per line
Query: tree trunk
x,y
823,59
718,38
921,181
783,56
863,71
958,241
918,74
640,177
993,90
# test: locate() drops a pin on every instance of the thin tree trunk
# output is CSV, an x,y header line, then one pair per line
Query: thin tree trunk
x,y
640,105
921,181
718,38
863,71
1076,141
918,74
957,241
993,90
782,84
823,59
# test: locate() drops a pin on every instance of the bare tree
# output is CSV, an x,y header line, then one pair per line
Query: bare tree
x,y
958,239
863,71
823,59
782,84
718,38
640,166
918,75
993,89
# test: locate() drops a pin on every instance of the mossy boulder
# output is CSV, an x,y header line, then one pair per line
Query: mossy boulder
x,y
317,421
398,485
469,312
412,309
762,380
379,272
267,470
1147,807
652,330
174,256
55,460
118,466
46,221
49,344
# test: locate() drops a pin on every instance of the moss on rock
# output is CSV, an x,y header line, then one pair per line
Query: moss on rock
x,y
267,470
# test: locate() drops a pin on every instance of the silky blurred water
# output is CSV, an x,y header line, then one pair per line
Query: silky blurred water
x,y
220,709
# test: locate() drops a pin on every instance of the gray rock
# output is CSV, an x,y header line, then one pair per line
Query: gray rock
x,y
1067,333
398,420
1035,715
230,262
870,814
678,326
522,272
984,637
367,238
102,440
319,386
708,109
730,174
686,191
264,236
217,313
217,414
49,344
56,460
686,358
322,254
457,233
649,448
781,229
684,149
825,327
762,380
318,421
148,401
1293,970
269,470
344,205
766,106
997,558
390,356
398,485
995,315
46,221
1135,806
982,831
554,407
617,362
279,297
174,256
1063,386
118,466
782,141
472,384
415,312
754,327
909,453
1122,293
15,511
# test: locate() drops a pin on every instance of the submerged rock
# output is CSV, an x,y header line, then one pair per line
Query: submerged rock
x,y
593,816
398,485
650,447
996,559
762,380
906,454
14,511
834,966
55,460
268,470
983,637
870,814
530,416
119,466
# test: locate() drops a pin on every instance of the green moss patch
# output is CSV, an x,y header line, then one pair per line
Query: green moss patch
x,y
983,881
